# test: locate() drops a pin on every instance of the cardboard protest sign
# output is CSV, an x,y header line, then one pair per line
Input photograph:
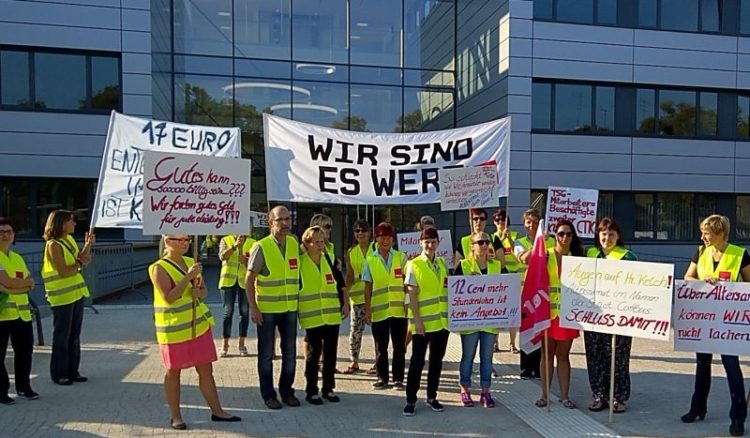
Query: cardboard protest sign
x,y
712,318
576,205
469,187
408,243
309,163
484,301
119,193
615,296
191,194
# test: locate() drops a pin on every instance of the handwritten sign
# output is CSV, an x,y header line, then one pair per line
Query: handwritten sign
x,y
408,243
575,205
712,318
195,195
468,187
616,296
484,301
119,194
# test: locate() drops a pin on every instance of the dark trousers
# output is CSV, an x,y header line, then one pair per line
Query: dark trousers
x,y
438,342
229,295
325,340
699,402
286,323
530,363
21,337
395,329
66,340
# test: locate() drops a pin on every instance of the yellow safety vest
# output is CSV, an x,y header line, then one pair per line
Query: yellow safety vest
x,y
331,251
357,264
554,284
387,300
511,262
17,305
470,267
318,297
278,291
174,322
617,253
232,271
466,246
432,297
730,261
527,243
61,291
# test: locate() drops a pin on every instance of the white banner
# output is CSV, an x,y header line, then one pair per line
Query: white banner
x,y
484,301
195,195
309,163
258,219
119,193
576,205
408,243
468,187
615,296
712,318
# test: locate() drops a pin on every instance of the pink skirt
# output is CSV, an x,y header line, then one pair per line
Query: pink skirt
x,y
561,333
188,354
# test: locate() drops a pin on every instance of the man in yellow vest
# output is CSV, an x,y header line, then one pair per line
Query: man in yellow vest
x,y
427,284
272,285
234,252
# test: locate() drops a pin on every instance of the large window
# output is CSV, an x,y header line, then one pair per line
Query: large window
x,y
59,81
566,107
671,216
577,11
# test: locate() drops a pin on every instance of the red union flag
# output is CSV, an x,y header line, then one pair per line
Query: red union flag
x,y
535,303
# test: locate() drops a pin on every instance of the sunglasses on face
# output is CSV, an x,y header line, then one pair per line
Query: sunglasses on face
x,y
499,219
360,230
478,219
564,234
179,240
481,242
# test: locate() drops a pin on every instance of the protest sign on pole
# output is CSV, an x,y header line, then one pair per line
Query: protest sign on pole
x,y
484,301
192,194
712,318
119,192
618,297
408,243
576,205
309,163
468,187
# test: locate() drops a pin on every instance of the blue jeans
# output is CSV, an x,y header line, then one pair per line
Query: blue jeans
x,y
229,295
486,342
287,325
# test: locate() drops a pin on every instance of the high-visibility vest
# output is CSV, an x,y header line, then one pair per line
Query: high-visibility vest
x,y
318,297
357,264
554,284
232,271
61,291
470,267
511,262
730,261
617,253
331,251
527,243
432,297
278,291
466,246
387,299
174,321
17,305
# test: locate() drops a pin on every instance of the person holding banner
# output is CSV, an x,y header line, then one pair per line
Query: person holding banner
x,y
502,241
478,224
427,284
66,290
559,340
15,316
530,363
608,245
234,252
183,327
478,263
718,260
384,305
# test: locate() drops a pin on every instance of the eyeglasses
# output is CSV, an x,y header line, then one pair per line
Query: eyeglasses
x,y
564,234
499,219
478,219
327,226
360,230
283,219
179,240
6,232
481,242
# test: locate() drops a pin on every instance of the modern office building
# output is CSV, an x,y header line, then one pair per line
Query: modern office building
x,y
646,100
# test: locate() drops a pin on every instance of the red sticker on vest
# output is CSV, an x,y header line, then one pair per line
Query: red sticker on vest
x,y
19,274
292,263
329,278
508,250
397,273
725,275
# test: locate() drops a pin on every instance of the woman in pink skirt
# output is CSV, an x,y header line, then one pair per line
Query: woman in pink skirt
x,y
183,327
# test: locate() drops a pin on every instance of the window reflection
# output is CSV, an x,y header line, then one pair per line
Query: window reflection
x,y
679,15
710,15
203,100
203,27
645,107
253,97
375,32
262,29
60,81
541,106
676,113
709,107
105,82
426,110
326,105
606,11
743,114
572,108
14,78
375,108
745,17
647,13
376,75
605,109
319,31
575,11
427,44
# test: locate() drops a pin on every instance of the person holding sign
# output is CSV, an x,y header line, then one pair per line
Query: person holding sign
x,y
608,245
384,305
502,241
478,263
66,290
183,327
427,284
718,260
15,316
558,340
272,285
234,252
320,315
478,225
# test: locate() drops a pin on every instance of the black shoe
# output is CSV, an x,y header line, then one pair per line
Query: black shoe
x,y
177,426
435,405
409,409
229,419
291,400
692,416
80,379
736,428
380,385
28,395
331,397
273,403
64,381
398,386
4,399
525,375
314,400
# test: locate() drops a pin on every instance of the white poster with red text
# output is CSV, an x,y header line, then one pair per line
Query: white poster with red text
x,y
576,205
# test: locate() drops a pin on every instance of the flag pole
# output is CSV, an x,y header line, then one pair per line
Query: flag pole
x,y
546,367
612,380
195,260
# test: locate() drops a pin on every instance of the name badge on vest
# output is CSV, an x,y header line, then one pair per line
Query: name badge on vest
x,y
397,273
508,251
329,278
725,275
292,263
19,274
